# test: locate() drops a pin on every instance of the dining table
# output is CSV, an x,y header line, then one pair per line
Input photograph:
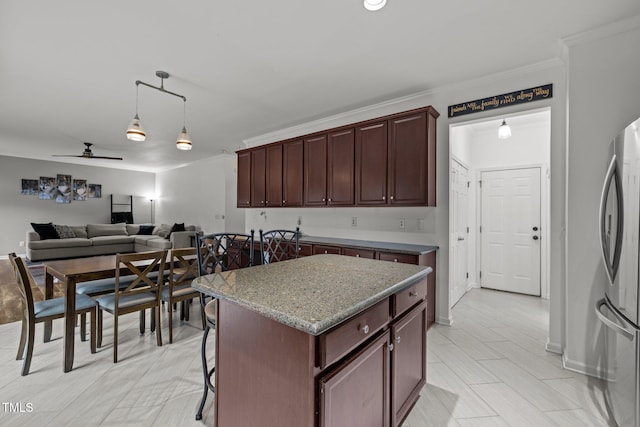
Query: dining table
x,y
71,272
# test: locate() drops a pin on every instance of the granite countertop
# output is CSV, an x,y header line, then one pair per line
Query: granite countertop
x,y
313,293
407,248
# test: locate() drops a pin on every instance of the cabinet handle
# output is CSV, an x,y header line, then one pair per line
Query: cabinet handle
x,y
323,199
413,294
357,255
326,252
391,347
398,340
267,202
391,198
384,197
329,200
365,329
284,202
395,260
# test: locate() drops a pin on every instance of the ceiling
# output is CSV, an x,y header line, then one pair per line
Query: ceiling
x,y
68,69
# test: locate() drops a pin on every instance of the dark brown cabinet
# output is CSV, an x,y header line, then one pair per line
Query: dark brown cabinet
x,y
358,253
340,168
292,177
321,249
371,164
389,161
357,393
408,367
315,171
244,180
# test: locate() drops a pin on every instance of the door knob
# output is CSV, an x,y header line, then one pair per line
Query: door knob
x,y
535,228
460,239
535,237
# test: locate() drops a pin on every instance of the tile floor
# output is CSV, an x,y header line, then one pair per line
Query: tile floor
x,y
488,369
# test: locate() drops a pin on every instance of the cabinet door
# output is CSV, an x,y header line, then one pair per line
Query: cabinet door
x,y
357,392
244,180
408,362
324,249
305,249
292,173
258,181
340,167
315,171
359,253
408,160
371,164
273,175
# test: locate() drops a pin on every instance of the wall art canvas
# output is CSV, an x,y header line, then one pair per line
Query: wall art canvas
x,y
95,191
79,189
48,188
30,187
65,190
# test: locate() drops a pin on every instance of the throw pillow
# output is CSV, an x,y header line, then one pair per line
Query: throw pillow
x,y
162,230
146,230
45,231
64,231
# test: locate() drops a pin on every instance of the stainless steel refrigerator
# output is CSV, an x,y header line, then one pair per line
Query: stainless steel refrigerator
x,y
619,309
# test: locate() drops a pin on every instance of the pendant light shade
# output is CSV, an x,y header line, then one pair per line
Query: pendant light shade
x,y
504,131
183,142
135,132
374,5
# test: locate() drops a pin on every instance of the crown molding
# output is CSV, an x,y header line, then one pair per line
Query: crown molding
x,y
608,30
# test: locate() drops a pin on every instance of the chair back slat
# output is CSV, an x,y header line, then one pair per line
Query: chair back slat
x,y
224,251
25,281
184,266
279,245
126,268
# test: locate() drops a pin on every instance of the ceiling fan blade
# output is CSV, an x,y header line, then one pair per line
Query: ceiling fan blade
x,y
104,157
65,155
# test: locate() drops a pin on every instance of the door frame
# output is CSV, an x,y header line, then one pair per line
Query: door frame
x,y
544,221
472,281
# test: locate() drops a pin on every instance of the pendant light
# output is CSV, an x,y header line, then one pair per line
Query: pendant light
x,y
374,5
135,131
504,131
183,142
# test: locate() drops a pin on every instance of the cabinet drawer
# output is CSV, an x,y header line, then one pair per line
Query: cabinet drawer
x,y
321,249
304,249
403,300
396,257
339,341
359,253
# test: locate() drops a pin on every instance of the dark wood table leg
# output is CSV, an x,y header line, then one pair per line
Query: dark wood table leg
x,y
48,294
69,323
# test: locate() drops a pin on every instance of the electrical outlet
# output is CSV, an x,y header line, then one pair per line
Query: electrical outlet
x,y
354,221
401,222
21,243
299,220
420,223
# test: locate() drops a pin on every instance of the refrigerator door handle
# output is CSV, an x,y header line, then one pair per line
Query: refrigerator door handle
x,y
611,265
613,325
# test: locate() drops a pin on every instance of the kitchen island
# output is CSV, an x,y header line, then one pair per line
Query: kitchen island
x,y
325,340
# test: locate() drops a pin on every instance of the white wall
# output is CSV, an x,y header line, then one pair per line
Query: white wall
x,y
381,223
18,211
201,193
604,88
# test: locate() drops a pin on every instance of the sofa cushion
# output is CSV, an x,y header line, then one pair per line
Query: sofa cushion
x,y
80,231
132,229
111,240
155,242
95,230
45,231
64,231
60,243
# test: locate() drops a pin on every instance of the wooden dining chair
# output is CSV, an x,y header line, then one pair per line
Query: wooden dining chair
x,y
183,268
279,245
40,311
141,293
218,252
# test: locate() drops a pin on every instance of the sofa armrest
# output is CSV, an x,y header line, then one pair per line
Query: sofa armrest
x,y
32,236
182,239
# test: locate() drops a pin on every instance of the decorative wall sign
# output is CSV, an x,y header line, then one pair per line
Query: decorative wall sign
x,y
505,100
30,187
47,188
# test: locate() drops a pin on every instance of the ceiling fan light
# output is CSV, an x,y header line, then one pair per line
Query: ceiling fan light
x,y
504,131
183,142
374,5
135,132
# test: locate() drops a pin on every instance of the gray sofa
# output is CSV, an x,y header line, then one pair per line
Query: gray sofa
x,y
106,239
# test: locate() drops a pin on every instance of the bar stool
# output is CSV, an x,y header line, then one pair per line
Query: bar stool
x,y
218,252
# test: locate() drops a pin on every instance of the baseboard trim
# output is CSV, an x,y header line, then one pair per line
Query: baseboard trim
x,y
447,321
553,347
584,369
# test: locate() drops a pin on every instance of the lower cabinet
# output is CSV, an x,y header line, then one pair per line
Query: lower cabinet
x,y
378,385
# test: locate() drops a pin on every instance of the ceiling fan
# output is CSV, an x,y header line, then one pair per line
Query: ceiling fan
x,y
88,154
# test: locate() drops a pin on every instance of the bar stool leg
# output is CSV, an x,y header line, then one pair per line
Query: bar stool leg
x,y
205,371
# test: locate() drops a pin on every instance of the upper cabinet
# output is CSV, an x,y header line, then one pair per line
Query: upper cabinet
x,y
389,161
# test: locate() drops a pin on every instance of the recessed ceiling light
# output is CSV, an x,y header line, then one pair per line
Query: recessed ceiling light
x,y
374,5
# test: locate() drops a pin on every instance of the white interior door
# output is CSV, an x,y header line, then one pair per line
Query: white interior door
x,y
459,231
510,230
